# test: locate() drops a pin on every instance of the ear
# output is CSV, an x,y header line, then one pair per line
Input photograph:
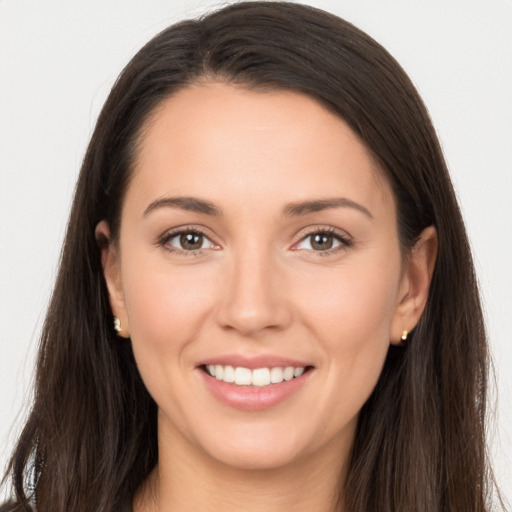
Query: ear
x,y
415,284
111,271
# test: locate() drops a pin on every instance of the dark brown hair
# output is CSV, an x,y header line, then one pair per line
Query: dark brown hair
x,y
90,440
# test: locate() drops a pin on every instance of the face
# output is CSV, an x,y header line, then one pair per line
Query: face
x,y
258,243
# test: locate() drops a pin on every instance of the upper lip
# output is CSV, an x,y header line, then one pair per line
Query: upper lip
x,y
253,362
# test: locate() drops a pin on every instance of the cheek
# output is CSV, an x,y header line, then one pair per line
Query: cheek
x,y
351,307
165,308
350,315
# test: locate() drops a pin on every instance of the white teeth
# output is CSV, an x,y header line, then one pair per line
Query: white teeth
x,y
243,376
258,377
261,377
276,375
229,374
288,373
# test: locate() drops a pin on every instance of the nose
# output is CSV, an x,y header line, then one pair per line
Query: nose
x,y
254,297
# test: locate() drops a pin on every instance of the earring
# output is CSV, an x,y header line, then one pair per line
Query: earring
x,y
405,333
117,325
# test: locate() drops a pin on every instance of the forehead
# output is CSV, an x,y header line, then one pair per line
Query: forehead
x,y
228,143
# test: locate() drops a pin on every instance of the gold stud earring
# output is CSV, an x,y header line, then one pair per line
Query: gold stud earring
x,y
117,325
405,333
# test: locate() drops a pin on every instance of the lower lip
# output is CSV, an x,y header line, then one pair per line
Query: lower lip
x,y
249,398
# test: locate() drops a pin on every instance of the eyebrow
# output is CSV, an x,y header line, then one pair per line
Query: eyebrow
x,y
192,204
306,207
297,209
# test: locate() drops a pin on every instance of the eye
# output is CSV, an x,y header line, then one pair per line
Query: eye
x,y
187,241
323,241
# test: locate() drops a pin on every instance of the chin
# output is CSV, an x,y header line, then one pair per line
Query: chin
x,y
256,447
255,458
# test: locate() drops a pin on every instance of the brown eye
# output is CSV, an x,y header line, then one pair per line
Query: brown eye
x,y
188,241
322,241
191,241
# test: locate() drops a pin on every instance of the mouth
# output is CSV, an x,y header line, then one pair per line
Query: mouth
x,y
256,377
254,383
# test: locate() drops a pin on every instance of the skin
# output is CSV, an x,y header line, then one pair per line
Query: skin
x,y
258,286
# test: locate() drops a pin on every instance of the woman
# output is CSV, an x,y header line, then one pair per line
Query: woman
x,y
266,299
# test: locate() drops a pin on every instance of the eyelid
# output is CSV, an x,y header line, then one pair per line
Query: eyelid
x,y
344,238
187,228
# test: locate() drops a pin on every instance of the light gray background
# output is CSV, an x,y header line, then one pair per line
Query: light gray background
x,y
58,60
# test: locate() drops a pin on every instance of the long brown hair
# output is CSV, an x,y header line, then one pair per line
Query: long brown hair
x,y
90,440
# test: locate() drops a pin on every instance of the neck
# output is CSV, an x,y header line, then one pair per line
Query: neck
x,y
185,482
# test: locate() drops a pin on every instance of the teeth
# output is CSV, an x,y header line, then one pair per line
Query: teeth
x,y
276,375
288,373
242,376
261,377
258,377
298,372
229,374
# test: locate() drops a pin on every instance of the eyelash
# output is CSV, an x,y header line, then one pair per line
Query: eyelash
x,y
344,240
167,237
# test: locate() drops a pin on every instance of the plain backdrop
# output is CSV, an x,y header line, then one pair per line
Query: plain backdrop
x,y
59,58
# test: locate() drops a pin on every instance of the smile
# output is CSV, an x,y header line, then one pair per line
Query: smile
x,y
254,384
257,377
